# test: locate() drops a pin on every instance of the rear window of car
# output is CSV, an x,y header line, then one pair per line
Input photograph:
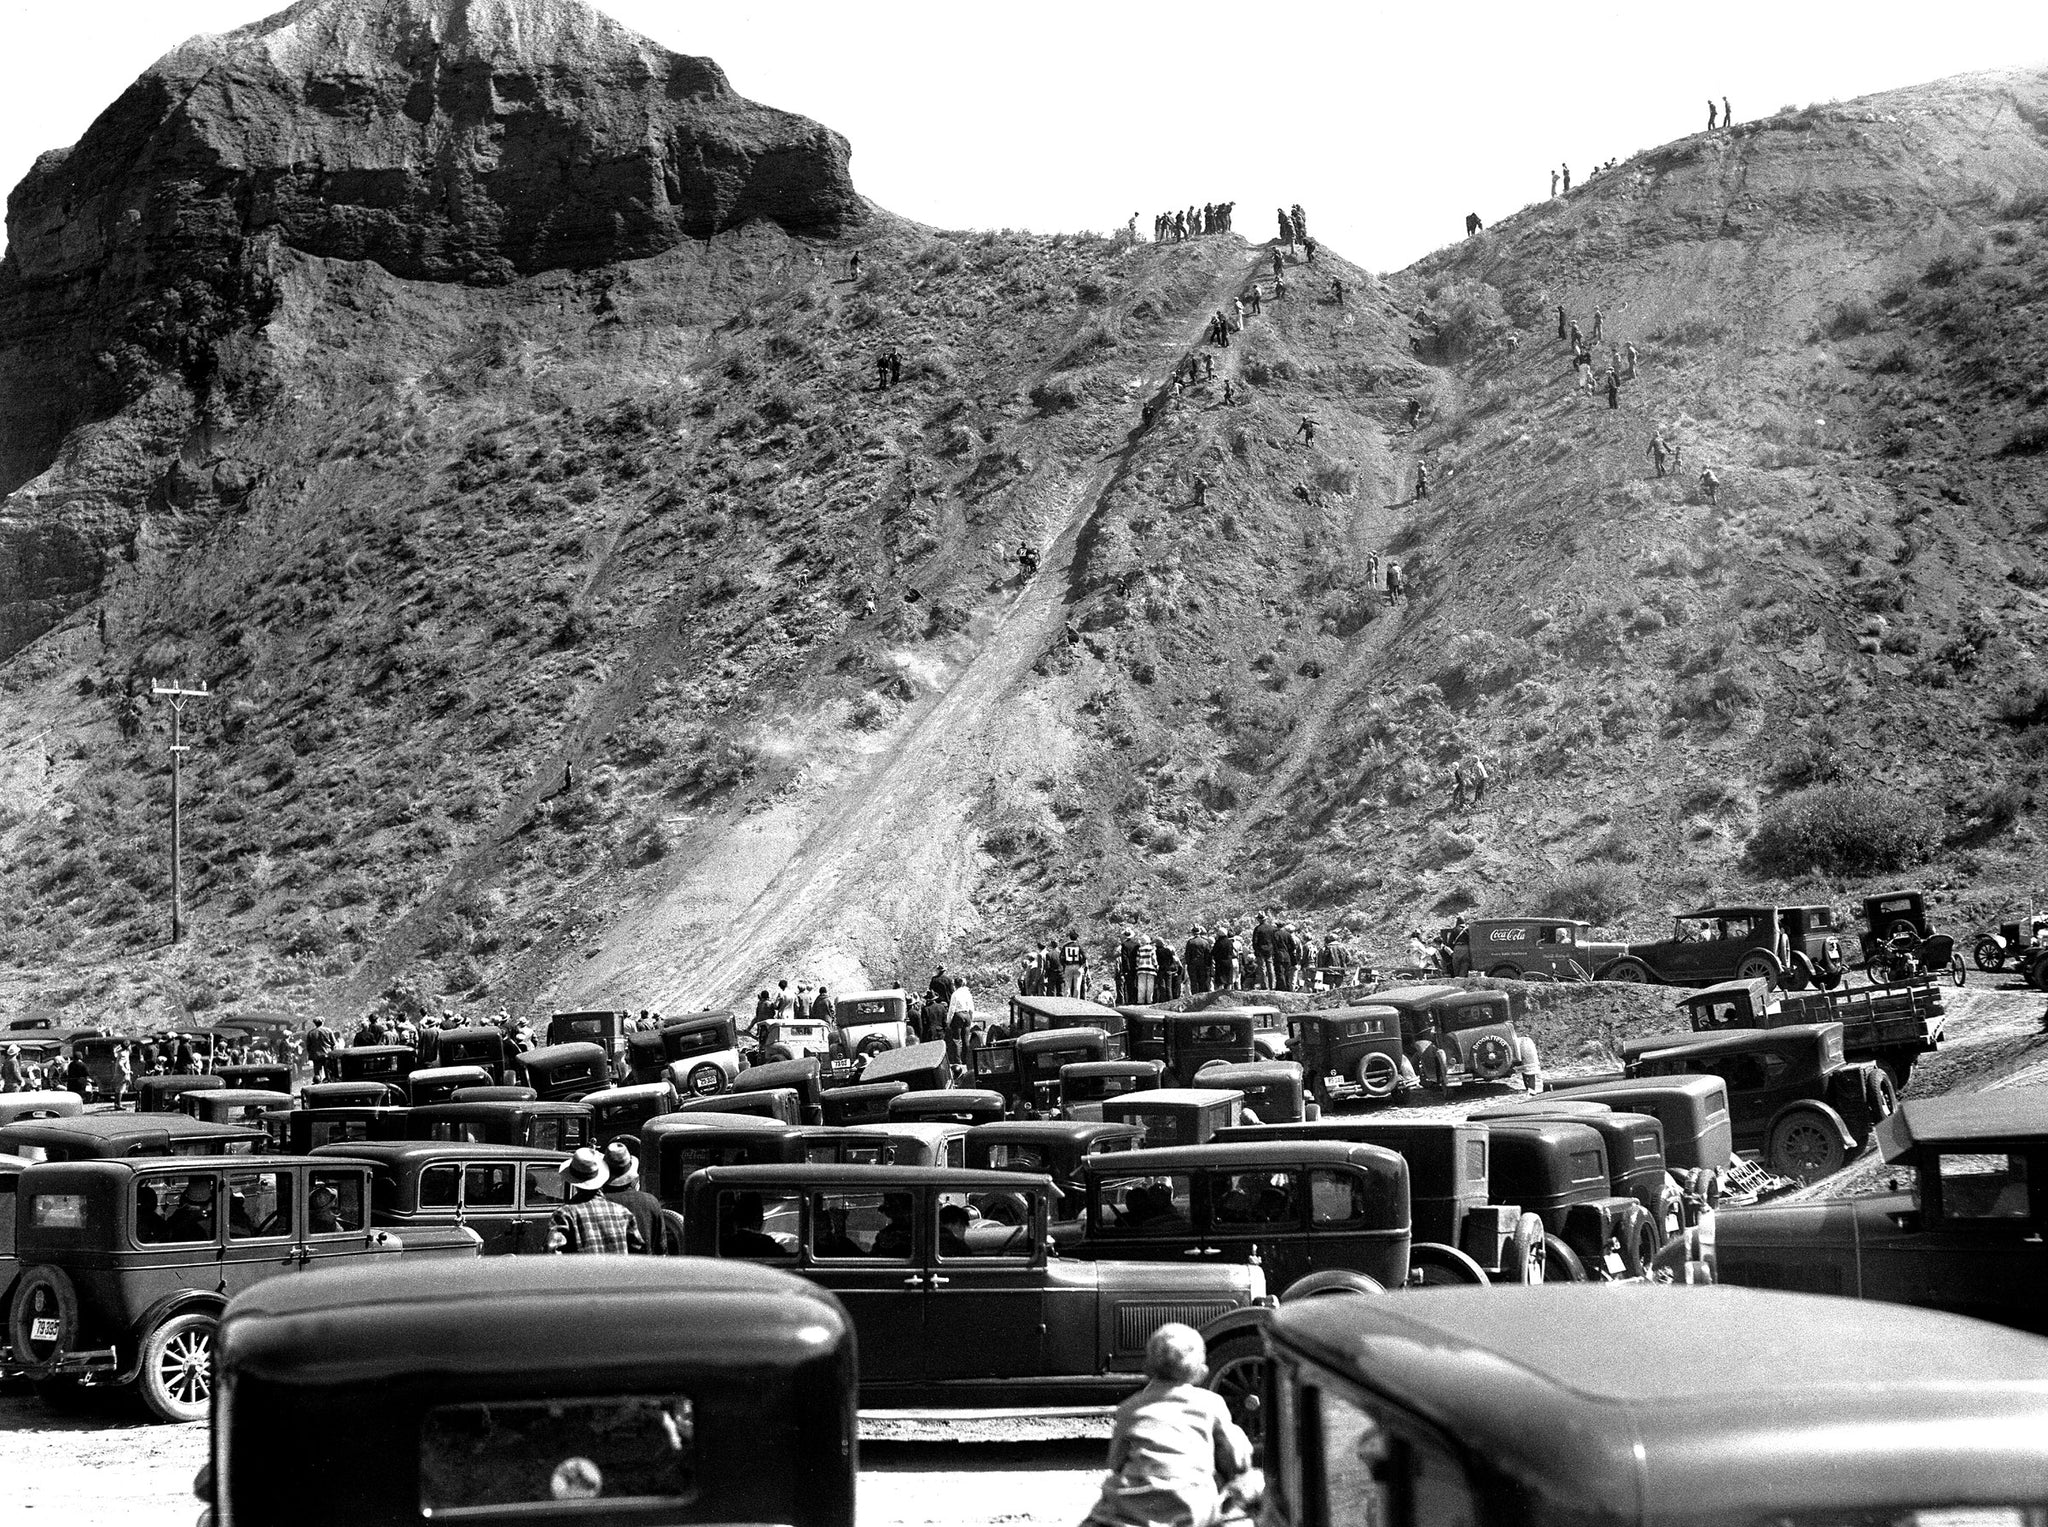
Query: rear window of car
x,y
559,1133
58,1211
1587,1167
1475,1159
1216,1033
1019,1158
1144,1206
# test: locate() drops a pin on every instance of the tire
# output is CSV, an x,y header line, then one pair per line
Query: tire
x,y
1433,1265
1506,973
705,1081
1877,974
42,1292
1958,972
1527,1259
1493,1058
872,1046
1801,975
1832,977
1670,1213
1432,1068
1560,1263
1804,1146
1638,1238
1629,969
1378,1073
776,1053
1761,966
1989,954
176,1377
1237,1373
1332,1280
1880,1094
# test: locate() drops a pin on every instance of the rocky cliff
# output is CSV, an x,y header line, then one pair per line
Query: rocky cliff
x,y
445,140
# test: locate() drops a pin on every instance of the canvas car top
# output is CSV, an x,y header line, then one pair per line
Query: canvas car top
x,y
2014,1113
1413,996
1064,1007
1177,1097
1722,1044
111,1127
882,994
1923,1392
395,1153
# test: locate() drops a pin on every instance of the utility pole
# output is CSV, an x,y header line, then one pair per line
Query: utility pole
x,y
177,694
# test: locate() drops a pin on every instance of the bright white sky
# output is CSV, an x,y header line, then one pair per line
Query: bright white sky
x,y
1387,123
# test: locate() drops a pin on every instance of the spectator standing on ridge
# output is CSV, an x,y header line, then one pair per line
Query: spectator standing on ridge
x,y
1710,114
1195,957
1262,952
1144,964
1553,183
1300,221
1222,960
1074,965
1567,171
1727,113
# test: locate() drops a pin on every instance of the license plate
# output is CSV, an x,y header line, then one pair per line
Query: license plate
x,y
43,1328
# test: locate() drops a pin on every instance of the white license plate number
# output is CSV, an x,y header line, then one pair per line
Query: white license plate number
x,y
43,1328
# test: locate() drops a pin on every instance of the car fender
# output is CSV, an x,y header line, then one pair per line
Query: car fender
x,y
199,1301
1252,1320
1827,1113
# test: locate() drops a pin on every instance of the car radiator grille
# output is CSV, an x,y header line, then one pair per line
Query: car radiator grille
x,y
1135,1323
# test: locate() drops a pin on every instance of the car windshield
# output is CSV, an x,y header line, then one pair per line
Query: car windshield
x,y
703,1042
1379,1468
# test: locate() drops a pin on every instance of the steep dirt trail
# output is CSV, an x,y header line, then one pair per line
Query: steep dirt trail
x,y
890,843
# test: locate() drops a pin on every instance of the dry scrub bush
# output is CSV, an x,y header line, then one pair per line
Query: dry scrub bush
x,y
1594,893
1842,830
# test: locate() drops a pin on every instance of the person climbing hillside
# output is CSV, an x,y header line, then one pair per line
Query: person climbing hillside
x,y
1658,452
1308,248
1337,290
1258,296
1598,318
1202,483
1630,372
1393,582
1279,266
853,267
1584,368
1414,412
1228,399
1306,430
1613,391
1710,486
1577,337
1560,321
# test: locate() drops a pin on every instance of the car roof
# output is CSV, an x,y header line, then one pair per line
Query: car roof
x,y
1178,1097
494,1108
946,1098
1719,987
1408,996
575,1049
1024,1131
376,1050
709,1123
1642,1394
121,1126
1734,1040
625,1089
2007,1114
1357,1010
1233,1154
1252,1071
1693,1086
869,996
869,1178
130,1166
248,1095
1113,1067
1065,1007
1730,911
399,1152
1055,1039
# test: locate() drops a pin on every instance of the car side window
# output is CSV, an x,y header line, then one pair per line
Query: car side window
x,y
259,1204
1984,1185
1150,1205
1336,1200
177,1210
876,1226
956,1151
441,1186
761,1227
1017,1158
545,1186
982,1225
335,1203
1261,1199
1380,1468
488,1185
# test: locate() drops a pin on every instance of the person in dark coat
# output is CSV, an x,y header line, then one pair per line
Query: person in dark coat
x,y
624,1190
1222,960
1127,966
1196,958
1262,951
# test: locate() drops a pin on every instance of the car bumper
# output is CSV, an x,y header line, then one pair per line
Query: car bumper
x,y
90,1363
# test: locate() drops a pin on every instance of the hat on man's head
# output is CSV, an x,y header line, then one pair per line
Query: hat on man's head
x,y
620,1162
586,1170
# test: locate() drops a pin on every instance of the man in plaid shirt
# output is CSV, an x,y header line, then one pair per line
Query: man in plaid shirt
x,y
590,1223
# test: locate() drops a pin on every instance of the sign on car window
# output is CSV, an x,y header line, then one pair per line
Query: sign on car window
x,y
868,1225
259,1205
1146,1206
334,1203
174,1210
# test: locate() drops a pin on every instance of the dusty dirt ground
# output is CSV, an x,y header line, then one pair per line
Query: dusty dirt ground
x,y
110,1469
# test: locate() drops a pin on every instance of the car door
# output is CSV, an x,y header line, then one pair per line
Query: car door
x,y
490,1205
542,1190
984,1309
178,1226
262,1216
863,1244
1258,1210
335,1217
1984,1255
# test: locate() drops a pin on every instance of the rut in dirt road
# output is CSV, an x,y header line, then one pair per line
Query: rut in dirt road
x,y
886,815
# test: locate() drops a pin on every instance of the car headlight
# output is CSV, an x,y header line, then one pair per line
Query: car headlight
x,y
1258,1282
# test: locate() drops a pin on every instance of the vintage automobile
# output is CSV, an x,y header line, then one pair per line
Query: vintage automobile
x,y
349,1095
1635,1151
1272,1090
541,1125
11,1168
481,1045
803,1076
1633,1406
1699,1141
1793,1097
261,1076
1464,1036
1087,1085
947,1105
953,1311
2015,945
1890,914
1052,1148
1350,1052
1026,1069
240,1105
1793,947
862,1103
616,1111
698,1056
781,1104
872,1021
160,1094
439,1084
920,1067
1459,1236
99,1136
102,1057
1299,1206
1525,948
1557,1169
577,1390
606,1030
565,1073
787,1039
1194,1040
677,1144
1893,1025
387,1064
299,1132
1960,1226
1176,1115
507,1194
1031,1015
40,1105
126,1264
